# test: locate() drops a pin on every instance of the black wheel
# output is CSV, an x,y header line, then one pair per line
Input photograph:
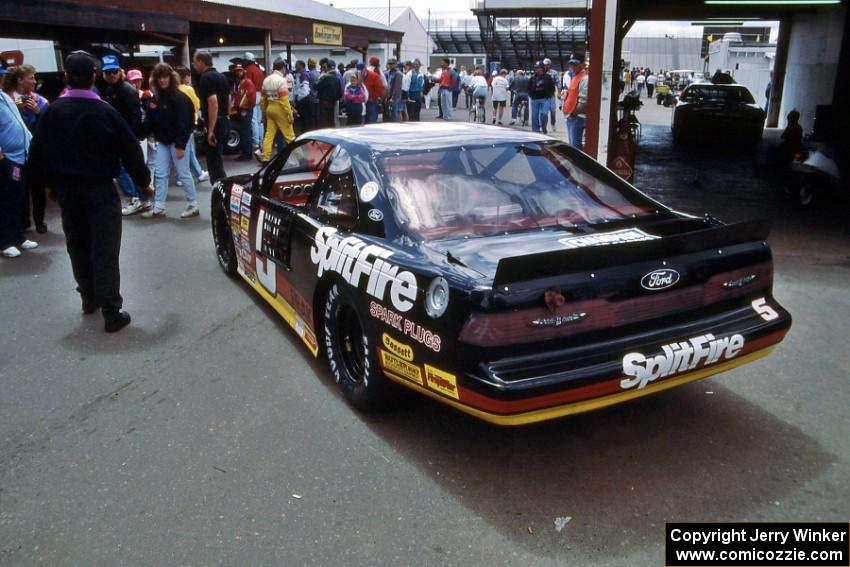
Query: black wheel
x,y
804,194
352,358
234,141
223,237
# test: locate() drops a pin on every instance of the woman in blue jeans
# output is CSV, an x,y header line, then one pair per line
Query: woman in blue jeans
x,y
170,121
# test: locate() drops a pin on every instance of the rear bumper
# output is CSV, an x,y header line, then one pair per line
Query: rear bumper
x,y
531,388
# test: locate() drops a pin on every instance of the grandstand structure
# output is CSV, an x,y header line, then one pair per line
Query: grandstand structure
x,y
515,34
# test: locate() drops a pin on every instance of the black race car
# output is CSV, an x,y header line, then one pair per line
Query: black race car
x,y
501,272
722,114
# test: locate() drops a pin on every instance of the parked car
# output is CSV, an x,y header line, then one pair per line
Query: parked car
x,y
722,113
501,272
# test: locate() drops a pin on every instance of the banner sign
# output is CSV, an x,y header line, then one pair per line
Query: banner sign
x,y
325,34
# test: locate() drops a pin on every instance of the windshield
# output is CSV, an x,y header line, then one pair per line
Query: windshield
x,y
719,95
460,192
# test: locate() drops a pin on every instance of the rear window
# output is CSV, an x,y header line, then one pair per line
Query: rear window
x,y
718,95
504,189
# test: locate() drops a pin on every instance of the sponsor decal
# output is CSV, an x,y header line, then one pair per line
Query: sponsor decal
x,y
410,328
397,348
441,381
246,198
375,215
764,310
557,320
396,365
364,266
369,191
739,282
245,210
678,357
605,238
234,204
245,225
236,191
660,279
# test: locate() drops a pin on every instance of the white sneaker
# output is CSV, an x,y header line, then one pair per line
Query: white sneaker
x,y
204,176
153,214
147,205
29,245
190,212
11,252
133,207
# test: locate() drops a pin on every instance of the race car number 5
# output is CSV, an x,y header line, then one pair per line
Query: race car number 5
x,y
766,311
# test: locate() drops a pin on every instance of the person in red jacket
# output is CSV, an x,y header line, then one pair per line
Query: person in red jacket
x,y
253,72
375,86
246,102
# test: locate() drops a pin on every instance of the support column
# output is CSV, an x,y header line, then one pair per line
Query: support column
x,y
364,54
398,51
777,84
603,31
289,56
267,51
185,54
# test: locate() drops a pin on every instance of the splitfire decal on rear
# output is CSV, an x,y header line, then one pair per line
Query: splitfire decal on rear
x,y
364,265
605,238
703,350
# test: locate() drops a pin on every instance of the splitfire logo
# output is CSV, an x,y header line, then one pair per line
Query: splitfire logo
x,y
355,260
678,357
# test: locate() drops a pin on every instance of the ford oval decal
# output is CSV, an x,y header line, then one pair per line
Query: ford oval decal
x,y
660,279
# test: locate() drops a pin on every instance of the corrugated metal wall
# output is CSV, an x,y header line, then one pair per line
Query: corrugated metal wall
x,y
663,53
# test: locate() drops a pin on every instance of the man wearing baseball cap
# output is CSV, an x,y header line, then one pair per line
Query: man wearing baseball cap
x,y
78,149
541,88
125,99
574,106
256,76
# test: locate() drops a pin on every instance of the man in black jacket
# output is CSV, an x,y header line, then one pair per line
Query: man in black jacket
x,y
330,91
541,89
125,99
77,151
214,92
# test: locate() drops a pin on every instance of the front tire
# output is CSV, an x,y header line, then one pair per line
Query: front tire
x,y
351,354
223,237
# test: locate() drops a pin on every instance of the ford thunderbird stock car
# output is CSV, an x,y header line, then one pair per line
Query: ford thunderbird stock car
x,y
501,272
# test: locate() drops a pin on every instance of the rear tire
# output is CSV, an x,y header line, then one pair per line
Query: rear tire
x,y
351,354
234,140
223,237
804,194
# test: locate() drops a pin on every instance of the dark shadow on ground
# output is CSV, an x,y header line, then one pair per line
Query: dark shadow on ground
x,y
90,338
619,473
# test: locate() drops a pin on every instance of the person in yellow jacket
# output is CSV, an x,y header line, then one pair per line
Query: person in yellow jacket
x,y
277,112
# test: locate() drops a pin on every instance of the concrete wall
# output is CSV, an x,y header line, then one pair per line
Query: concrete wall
x,y
812,63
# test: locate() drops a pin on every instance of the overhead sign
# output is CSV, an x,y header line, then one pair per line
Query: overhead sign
x,y
325,34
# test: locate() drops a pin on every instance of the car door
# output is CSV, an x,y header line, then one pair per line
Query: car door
x,y
284,188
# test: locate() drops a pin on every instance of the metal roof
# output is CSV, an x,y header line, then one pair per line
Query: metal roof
x,y
379,14
307,9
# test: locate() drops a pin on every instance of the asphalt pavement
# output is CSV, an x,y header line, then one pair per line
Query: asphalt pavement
x,y
206,434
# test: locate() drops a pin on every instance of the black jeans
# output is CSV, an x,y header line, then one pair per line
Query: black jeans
x,y
414,108
91,219
305,111
245,140
39,203
215,159
12,195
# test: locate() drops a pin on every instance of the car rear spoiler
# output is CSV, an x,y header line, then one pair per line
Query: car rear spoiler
x,y
548,264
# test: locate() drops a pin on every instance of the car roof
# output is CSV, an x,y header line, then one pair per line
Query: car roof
x,y
421,136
